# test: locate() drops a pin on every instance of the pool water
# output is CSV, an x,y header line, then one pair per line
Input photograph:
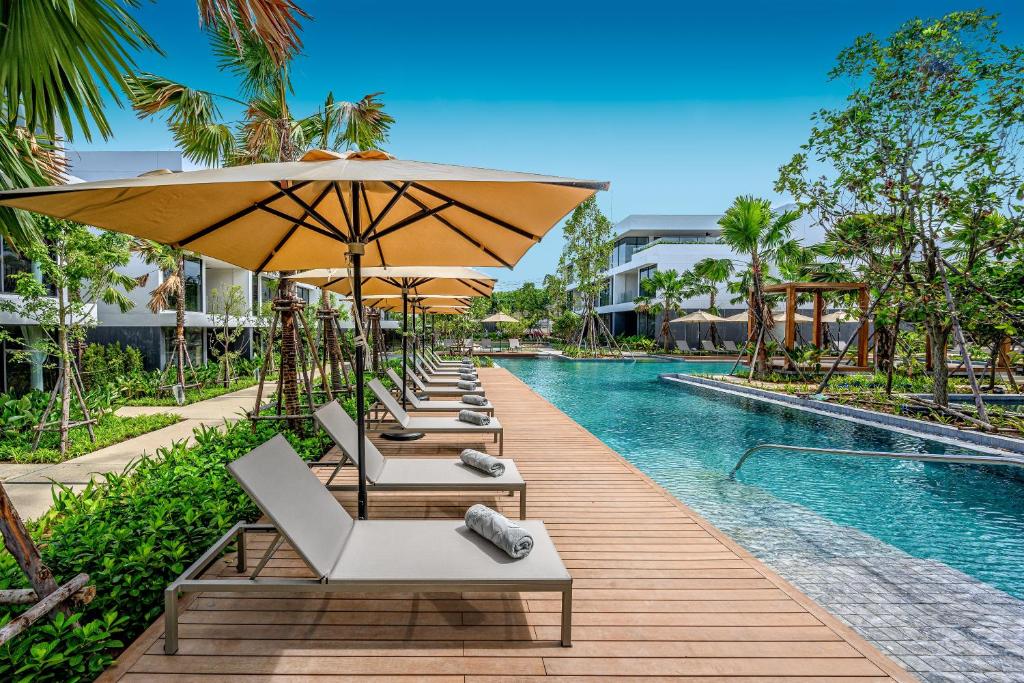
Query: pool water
x,y
968,517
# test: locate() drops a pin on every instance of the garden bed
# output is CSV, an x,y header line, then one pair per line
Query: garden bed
x,y
191,395
132,533
110,429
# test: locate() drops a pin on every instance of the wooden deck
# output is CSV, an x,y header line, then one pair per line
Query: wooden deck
x,y
659,594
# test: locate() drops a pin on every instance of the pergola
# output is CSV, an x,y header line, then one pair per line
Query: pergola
x,y
793,289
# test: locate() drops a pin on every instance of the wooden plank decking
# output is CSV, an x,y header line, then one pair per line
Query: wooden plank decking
x,y
659,594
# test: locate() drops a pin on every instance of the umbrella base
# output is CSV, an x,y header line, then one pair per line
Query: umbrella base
x,y
401,436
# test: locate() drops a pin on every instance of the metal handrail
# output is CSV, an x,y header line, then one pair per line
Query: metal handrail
x,y
926,457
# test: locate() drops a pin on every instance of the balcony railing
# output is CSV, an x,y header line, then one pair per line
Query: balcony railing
x,y
678,240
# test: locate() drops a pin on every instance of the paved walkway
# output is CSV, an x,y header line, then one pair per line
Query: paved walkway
x,y
659,594
29,486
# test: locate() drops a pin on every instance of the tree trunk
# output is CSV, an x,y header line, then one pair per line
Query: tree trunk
x,y
179,322
995,362
666,328
65,374
759,363
287,378
938,339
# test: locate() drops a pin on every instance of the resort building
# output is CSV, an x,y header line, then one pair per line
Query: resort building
x,y
646,243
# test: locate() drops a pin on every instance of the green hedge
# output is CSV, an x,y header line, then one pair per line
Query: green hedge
x,y
132,533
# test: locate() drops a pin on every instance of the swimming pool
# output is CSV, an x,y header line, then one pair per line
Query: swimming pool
x,y
970,518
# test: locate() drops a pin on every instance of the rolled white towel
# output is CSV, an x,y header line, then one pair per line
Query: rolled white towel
x,y
481,461
465,384
474,400
468,376
474,418
514,540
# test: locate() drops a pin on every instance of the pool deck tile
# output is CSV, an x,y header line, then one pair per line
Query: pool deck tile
x,y
659,594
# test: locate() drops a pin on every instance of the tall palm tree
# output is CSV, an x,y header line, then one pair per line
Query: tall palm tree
x,y
268,131
662,294
59,59
170,261
710,274
750,227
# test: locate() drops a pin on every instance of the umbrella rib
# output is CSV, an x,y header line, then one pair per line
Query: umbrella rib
x,y
472,285
477,212
233,217
301,222
311,211
448,224
373,222
344,209
291,231
399,192
406,222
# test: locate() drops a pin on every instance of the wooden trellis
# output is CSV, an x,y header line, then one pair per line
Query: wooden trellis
x,y
78,391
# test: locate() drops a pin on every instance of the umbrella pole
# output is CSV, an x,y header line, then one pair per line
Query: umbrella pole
x,y
355,250
405,340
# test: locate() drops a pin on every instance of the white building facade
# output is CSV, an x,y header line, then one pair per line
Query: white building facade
x,y
648,243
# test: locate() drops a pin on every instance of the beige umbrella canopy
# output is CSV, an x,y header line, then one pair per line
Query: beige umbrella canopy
x,y
418,280
303,214
740,317
500,318
699,317
839,317
780,317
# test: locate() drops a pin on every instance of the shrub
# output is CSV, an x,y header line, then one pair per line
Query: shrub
x,y
132,533
109,363
109,430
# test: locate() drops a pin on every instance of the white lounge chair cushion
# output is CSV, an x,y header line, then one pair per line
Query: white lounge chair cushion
x,y
439,473
449,424
435,551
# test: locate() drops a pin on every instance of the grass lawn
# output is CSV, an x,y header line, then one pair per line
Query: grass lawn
x,y
109,430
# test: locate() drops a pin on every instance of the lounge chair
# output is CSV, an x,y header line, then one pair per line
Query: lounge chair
x,y
431,370
411,474
434,425
485,345
683,346
361,556
730,346
709,347
435,405
440,362
514,345
439,390
436,380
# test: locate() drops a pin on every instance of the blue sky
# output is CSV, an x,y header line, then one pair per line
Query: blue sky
x,y
681,105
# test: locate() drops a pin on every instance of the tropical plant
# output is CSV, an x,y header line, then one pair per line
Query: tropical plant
x,y
269,131
61,59
750,227
228,311
929,139
588,247
79,268
662,294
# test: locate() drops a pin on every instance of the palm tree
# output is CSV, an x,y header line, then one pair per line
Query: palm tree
x,y
710,274
750,227
267,132
60,59
663,294
170,261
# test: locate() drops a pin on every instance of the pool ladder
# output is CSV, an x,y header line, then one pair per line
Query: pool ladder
x,y
1007,460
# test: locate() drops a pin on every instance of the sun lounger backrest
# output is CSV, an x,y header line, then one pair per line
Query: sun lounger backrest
x,y
416,379
730,346
707,345
298,504
343,431
409,395
389,402
682,345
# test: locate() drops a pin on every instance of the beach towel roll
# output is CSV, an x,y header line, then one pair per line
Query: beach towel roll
x,y
467,359
466,384
474,418
514,540
474,400
479,460
468,376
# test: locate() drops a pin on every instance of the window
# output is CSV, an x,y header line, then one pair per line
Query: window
x,y
263,291
193,342
606,294
11,263
644,274
624,249
305,294
645,325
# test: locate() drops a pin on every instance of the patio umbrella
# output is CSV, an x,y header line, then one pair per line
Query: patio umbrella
x,y
740,317
500,318
780,317
404,281
699,317
839,317
327,210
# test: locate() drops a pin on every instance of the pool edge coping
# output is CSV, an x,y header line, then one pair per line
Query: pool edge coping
x,y
991,443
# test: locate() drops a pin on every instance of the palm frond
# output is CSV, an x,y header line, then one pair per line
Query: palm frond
x,y
274,22
248,58
150,95
61,59
160,297
25,161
